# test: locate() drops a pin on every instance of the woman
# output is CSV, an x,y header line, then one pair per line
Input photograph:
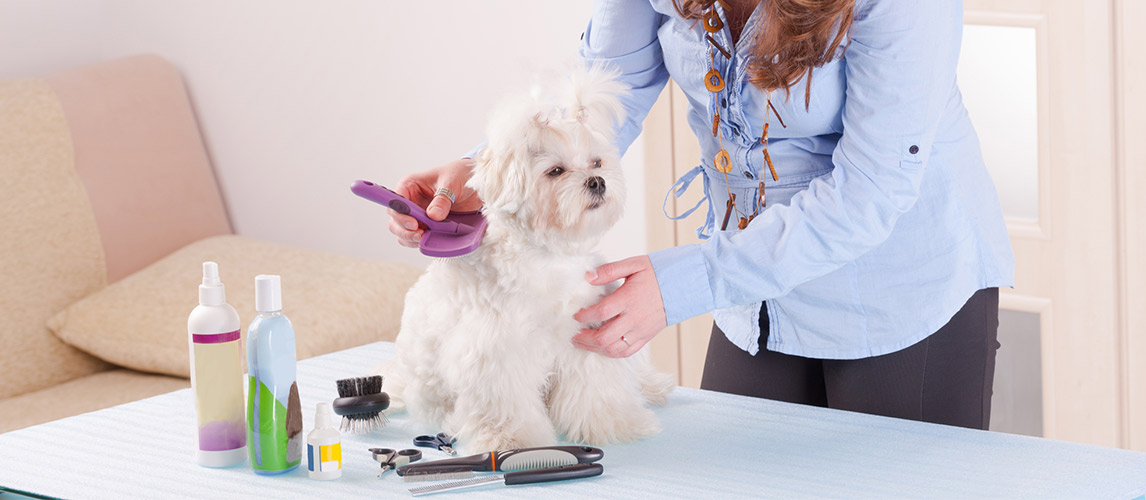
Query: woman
x,y
854,239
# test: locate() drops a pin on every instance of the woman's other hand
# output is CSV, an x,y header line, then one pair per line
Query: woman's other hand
x,y
634,312
421,187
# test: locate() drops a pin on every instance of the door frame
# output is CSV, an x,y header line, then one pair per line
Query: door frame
x,y
1081,267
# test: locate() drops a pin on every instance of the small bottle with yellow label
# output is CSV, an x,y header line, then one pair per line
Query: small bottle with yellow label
x,y
324,446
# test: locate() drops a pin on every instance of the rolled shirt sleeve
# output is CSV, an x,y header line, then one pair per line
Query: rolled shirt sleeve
x,y
622,35
900,72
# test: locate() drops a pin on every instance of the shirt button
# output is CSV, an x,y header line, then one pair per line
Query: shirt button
x,y
723,102
747,174
736,132
913,149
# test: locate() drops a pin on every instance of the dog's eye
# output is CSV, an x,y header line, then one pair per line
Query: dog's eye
x,y
597,163
555,171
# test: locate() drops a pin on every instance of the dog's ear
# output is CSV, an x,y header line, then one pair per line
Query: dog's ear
x,y
500,179
501,169
594,97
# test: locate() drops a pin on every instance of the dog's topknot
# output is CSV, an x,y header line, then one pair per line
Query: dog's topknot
x,y
594,95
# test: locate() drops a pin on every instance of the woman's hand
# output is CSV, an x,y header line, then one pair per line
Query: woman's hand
x,y
421,187
634,312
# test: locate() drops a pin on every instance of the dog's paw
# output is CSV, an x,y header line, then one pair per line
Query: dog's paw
x,y
635,424
494,442
656,386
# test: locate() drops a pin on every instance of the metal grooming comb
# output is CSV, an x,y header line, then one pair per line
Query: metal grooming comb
x,y
559,473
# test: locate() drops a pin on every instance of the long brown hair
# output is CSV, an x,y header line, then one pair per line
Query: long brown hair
x,y
795,37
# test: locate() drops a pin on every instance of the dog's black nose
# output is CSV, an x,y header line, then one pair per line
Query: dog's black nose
x,y
596,185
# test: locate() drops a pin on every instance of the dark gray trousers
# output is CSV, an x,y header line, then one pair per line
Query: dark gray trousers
x,y
945,378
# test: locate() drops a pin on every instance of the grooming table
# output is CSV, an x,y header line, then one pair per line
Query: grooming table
x,y
713,446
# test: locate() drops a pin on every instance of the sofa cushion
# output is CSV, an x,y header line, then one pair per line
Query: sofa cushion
x,y
50,245
90,393
141,159
335,302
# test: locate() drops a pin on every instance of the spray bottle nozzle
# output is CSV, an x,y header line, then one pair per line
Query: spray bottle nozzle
x,y
210,274
211,292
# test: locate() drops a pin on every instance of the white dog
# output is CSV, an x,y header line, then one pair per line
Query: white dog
x,y
485,350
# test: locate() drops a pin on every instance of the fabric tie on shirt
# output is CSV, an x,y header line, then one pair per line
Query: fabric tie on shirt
x,y
679,188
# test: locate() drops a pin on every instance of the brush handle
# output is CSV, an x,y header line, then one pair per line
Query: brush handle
x,y
382,196
479,462
559,473
545,456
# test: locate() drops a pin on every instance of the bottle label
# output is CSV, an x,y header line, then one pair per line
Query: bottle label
x,y
217,378
326,457
274,428
214,338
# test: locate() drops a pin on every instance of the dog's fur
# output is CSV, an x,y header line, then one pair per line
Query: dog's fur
x,y
485,350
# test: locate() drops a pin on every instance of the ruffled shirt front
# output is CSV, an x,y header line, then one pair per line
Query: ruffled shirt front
x,y
884,220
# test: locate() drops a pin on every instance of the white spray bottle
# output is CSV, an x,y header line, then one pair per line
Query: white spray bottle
x,y
217,375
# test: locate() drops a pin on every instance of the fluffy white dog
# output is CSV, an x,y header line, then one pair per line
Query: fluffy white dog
x,y
485,350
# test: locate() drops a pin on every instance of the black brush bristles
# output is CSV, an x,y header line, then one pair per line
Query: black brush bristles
x,y
360,403
359,386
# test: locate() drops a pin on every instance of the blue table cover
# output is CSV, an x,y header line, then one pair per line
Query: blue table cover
x,y
714,446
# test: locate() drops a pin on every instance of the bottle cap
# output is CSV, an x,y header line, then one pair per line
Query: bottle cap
x,y
211,292
268,293
322,416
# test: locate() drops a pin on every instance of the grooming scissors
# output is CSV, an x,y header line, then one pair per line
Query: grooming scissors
x,y
392,459
442,441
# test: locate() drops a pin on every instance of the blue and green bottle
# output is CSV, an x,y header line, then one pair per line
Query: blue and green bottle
x,y
274,415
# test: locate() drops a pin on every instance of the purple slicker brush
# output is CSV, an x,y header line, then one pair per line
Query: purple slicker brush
x,y
460,233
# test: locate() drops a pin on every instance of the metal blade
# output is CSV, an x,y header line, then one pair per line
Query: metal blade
x,y
456,485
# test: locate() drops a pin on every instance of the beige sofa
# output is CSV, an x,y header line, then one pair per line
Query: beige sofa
x,y
108,206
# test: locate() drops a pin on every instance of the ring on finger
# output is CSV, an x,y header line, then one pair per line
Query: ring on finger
x,y
445,191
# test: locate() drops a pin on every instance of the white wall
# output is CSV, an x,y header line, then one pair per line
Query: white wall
x,y
297,99
47,35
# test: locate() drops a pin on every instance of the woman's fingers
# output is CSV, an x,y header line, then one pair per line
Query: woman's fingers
x,y
404,221
613,271
400,226
439,207
587,340
632,314
608,308
453,179
615,339
422,189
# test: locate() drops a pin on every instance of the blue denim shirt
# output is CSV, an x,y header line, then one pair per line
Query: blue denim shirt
x,y
884,220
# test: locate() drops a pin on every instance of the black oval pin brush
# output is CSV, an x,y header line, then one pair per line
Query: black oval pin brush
x,y
360,403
